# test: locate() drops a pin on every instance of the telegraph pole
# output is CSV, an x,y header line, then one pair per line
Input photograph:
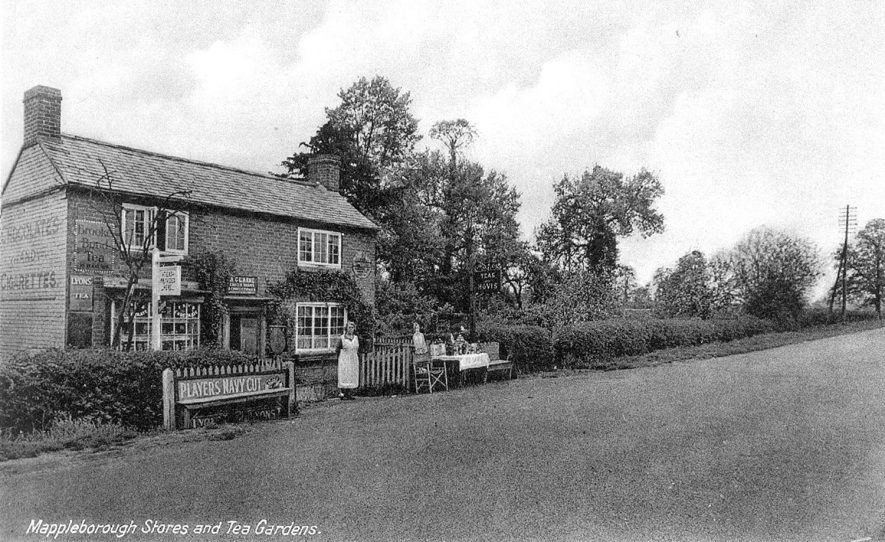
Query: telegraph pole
x,y
848,219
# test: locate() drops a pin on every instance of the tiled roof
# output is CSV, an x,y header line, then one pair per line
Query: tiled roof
x,y
79,161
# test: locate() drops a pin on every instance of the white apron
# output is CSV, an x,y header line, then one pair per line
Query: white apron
x,y
349,363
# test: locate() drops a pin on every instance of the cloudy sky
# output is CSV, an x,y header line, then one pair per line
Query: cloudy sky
x,y
750,113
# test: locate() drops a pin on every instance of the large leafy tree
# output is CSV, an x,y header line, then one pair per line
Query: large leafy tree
x,y
866,266
685,291
477,227
449,216
773,272
590,213
372,129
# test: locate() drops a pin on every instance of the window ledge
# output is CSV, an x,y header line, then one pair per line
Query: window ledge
x,y
311,265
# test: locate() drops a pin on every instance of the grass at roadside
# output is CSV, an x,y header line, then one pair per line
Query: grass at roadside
x,y
738,346
69,434
65,434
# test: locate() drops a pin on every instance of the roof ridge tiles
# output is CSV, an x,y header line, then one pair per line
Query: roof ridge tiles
x,y
186,160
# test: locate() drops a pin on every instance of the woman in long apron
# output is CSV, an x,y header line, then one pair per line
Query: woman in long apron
x,y
348,362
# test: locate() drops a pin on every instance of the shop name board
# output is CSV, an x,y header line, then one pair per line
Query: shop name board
x,y
229,386
238,285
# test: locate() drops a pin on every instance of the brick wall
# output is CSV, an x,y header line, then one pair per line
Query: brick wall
x,y
261,247
33,174
268,249
42,116
32,274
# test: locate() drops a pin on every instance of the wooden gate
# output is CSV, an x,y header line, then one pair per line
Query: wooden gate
x,y
386,366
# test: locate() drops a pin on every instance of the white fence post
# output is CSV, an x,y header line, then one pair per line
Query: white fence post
x,y
168,400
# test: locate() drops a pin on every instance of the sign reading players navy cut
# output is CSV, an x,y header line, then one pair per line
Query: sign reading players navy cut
x,y
237,285
170,280
487,282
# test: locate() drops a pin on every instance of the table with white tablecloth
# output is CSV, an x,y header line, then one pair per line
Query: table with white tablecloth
x,y
466,362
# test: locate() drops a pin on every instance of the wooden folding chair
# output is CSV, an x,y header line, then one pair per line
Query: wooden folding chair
x,y
438,374
429,373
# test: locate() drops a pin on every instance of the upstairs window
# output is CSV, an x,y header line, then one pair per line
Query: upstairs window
x,y
138,221
319,247
176,233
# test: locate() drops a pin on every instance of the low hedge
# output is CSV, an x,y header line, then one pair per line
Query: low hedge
x,y
528,347
594,343
103,385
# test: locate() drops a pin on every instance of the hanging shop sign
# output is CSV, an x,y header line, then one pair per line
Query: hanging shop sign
x,y
362,265
170,280
239,285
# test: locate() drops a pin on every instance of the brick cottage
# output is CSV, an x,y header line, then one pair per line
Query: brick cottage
x,y
62,283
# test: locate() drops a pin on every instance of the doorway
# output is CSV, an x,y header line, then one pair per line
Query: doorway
x,y
244,331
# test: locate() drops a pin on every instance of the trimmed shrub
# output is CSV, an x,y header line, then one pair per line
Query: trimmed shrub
x,y
106,386
595,343
528,347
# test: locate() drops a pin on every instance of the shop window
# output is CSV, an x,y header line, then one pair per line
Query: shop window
x,y
179,326
319,326
138,220
318,247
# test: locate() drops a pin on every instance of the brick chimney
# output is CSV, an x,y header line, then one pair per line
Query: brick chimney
x,y
42,114
324,169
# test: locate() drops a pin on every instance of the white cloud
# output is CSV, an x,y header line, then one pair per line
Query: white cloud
x,y
750,113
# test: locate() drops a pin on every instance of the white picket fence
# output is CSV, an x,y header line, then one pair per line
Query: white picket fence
x,y
386,366
223,370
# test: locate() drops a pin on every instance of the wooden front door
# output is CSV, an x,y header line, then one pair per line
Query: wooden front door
x,y
249,335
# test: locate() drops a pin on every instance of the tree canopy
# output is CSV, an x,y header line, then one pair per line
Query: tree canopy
x,y
685,290
591,212
773,272
866,266
370,130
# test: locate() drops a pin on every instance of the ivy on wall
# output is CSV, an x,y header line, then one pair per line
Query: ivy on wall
x,y
212,271
322,286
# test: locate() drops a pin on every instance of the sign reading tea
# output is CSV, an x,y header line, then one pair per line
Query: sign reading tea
x,y
229,386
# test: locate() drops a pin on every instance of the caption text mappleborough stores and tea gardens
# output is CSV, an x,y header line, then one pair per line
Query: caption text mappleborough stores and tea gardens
x,y
71,529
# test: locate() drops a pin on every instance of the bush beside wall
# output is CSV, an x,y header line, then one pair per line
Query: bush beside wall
x,y
104,385
528,347
594,343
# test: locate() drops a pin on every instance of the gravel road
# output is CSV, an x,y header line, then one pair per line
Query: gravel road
x,y
783,444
